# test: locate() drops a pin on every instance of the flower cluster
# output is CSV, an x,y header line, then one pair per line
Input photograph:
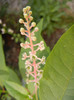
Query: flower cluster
x,y
32,62
4,29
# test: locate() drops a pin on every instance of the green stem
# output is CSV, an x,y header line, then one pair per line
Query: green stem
x,y
36,96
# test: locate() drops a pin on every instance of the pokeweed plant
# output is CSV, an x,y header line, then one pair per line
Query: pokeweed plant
x,y
57,82
33,62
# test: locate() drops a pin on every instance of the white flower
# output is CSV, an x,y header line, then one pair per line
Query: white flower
x,y
28,8
31,18
4,25
36,29
24,56
26,45
40,74
3,30
41,46
33,24
30,13
0,21
10,30
32,56
27,62
25,16
33,38
43,60
21,21
22,30
28,68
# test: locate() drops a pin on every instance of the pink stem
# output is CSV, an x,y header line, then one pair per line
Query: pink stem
x,y
34,62
31,74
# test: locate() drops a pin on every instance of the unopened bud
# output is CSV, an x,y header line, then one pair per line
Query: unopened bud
x,y
24,10
31,18
33,24
33,38
28,7
30,12
25,16
36,29
21,44
22,30
21,21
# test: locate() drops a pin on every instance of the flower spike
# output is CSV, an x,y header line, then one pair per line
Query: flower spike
x,y
32,62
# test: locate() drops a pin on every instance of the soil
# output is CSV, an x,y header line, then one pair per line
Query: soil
x,y
11,50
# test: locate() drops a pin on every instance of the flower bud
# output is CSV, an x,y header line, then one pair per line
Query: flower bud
x,y
25,16
21,21
36,29
31,18
22,30
24,10
43,60
28,7
33,38
30,12
21,44
33,24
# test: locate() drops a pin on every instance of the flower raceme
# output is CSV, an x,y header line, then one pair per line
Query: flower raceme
x,y
32,62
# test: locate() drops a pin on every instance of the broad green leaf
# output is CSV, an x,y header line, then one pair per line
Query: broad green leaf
x,y
16,90
58,77
2,59
3,69
69,94
39,54
5,72
13,76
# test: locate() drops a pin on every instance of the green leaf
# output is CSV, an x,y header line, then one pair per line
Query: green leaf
x,y
39,54
16,90
5,72
69,94
58,77
13,76
2,59
3,69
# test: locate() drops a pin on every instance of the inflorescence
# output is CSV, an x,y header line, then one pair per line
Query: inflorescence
x,y
32,62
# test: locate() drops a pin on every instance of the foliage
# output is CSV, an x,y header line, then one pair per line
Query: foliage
x,y
5,72
5,30
3,10
58,77
57,82
51,11
9,79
